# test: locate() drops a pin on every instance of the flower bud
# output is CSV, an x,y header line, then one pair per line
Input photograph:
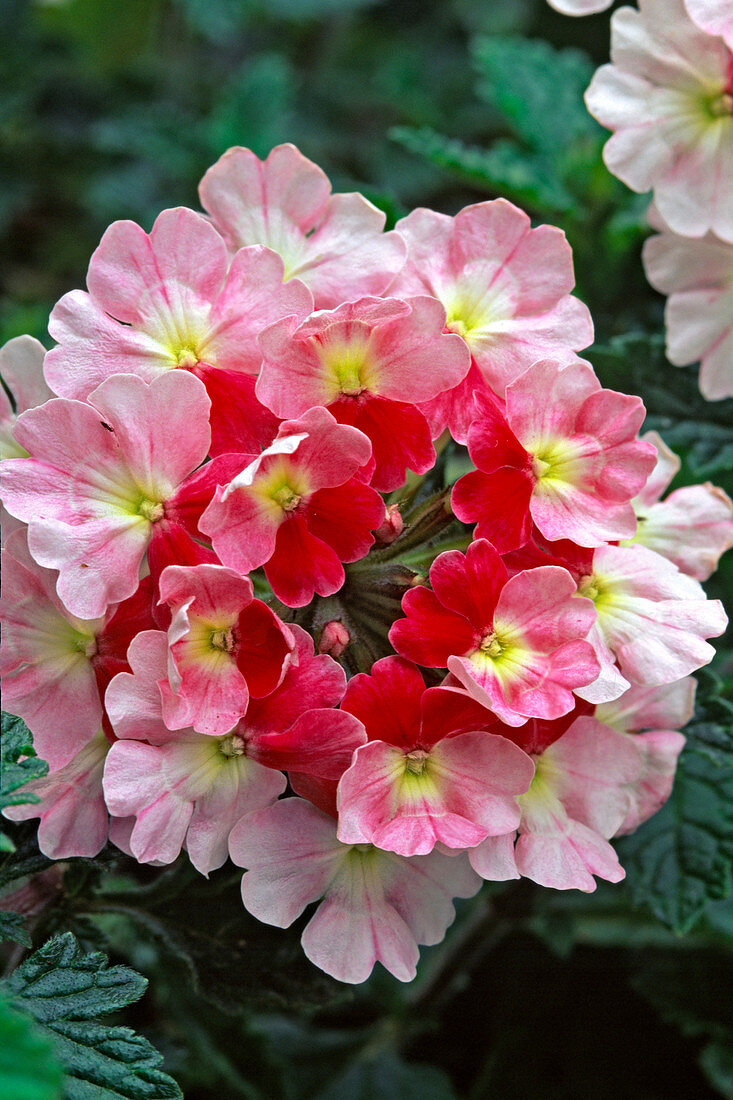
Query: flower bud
x,y
391,526
334,639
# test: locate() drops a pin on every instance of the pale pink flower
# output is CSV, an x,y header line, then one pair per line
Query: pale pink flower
x,y
376,906
564,456
21,369
506,290
577,800
297,509
697,276
74,818
100,477
224,647
651,618
294,728
668,97
516,644
691,527
188,790
714,16
661,712
334,243
55,667
174,298
369,362
431,772
579,7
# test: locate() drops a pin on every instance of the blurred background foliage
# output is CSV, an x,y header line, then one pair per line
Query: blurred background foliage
x,y
114,109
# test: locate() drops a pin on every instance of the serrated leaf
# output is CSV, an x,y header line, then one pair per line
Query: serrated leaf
x,y
539,91
29,1068
63,989
16,741
12,927
503,169
682,858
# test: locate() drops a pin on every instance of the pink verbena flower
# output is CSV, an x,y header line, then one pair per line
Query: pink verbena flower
x,y
189,789
171,299
691,527
565,455
697,276
74,818
376,906
661,712
430,772
55,667
516,644
297,509
224,647
714,16
668,97
369,362
577,800
97,485
651,618
334,243
21,369
506,290
294,728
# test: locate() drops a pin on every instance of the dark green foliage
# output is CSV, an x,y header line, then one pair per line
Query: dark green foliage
x,y
16,741
65,991
12,927
682,857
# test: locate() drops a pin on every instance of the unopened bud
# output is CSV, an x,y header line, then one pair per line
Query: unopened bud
x,y
391,526
334,638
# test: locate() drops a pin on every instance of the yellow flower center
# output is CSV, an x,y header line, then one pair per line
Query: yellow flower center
x,y
232,745
151,510
223,640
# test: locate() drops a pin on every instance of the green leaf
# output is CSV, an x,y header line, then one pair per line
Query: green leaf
x,y
682,858
503,169
16,740
29,1069
538,90
12,927
64,990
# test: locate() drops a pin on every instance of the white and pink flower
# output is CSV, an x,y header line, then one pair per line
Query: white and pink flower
x,y
692,527
697,277
668,98
55,666
335,244
375,907
506,290
100,478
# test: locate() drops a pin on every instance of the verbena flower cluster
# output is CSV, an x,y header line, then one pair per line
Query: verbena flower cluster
x,y
225,490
